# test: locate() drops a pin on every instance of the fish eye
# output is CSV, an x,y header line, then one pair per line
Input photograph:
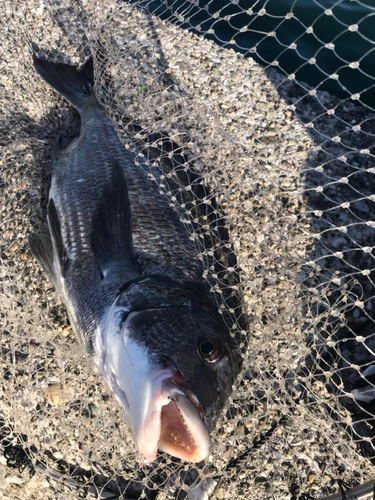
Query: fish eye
x,y
210,348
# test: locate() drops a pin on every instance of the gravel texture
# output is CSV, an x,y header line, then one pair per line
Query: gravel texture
x,y
292,169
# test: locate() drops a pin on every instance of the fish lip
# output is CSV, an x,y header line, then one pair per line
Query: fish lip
x,y
191,440
174,422
175,387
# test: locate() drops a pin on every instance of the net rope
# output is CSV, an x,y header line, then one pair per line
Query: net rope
x,y
291,167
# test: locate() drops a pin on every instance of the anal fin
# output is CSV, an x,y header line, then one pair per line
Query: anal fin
x,y
41,248
55,230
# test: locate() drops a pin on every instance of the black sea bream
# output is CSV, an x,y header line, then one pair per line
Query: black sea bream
x,y
128,274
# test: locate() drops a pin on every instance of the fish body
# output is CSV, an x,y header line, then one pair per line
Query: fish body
x,y
128,274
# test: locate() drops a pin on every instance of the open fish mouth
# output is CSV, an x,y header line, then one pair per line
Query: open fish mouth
x,y
183,433
171,420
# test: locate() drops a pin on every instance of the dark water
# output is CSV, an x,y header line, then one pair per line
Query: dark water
x,y
349,46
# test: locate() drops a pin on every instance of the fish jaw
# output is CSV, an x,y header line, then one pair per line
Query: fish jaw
x,y
161,411
172,422
183,433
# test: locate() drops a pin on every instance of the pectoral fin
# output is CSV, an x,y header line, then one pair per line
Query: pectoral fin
x,y
111,237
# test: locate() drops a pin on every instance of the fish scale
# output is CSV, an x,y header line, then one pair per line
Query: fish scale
x,y
127,271
160,235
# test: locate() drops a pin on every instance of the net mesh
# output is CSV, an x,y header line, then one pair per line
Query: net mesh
x,y
289,164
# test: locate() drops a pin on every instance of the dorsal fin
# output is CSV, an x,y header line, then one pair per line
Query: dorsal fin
x,y
41,248
111,236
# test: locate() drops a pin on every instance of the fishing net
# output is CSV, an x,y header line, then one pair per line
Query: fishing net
x,y
210,94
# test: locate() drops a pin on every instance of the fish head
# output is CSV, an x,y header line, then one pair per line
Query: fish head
x,y
172,370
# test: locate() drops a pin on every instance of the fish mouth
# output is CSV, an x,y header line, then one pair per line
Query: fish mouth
x,y
183,432
173,422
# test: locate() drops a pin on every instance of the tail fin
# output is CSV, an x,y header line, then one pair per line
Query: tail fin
x,y
73,84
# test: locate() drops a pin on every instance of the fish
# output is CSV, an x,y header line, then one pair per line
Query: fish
x,y
127,271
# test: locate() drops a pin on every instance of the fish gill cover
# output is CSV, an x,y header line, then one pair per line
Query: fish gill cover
x,y
289,166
